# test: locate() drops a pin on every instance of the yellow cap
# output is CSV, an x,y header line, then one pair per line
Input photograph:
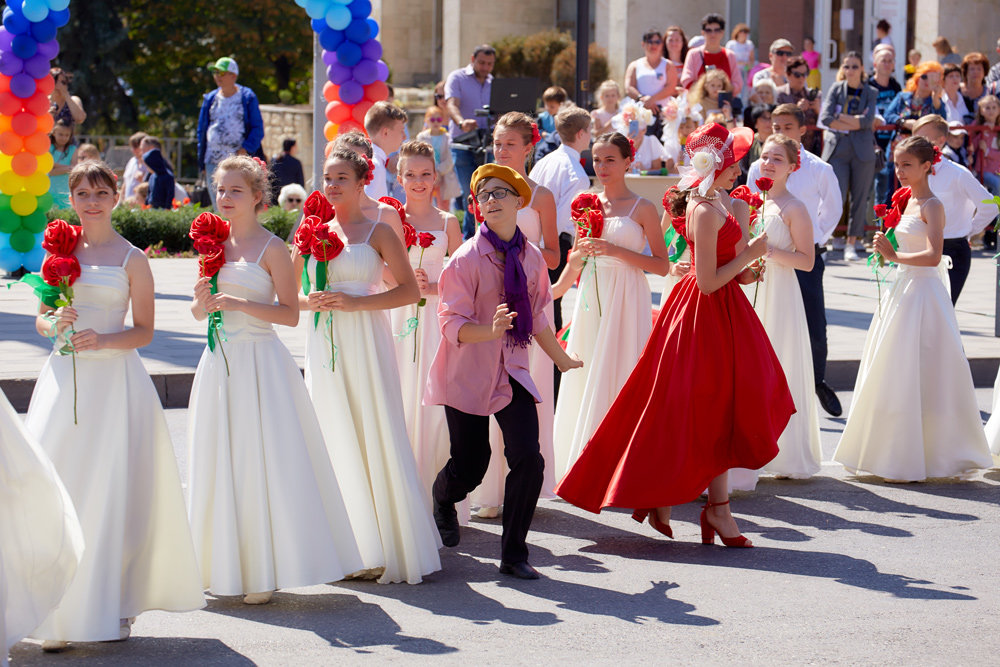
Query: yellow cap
x,y
505,174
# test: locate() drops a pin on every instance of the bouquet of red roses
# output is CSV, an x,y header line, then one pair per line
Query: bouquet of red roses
x,y
315,239
209,232
587,213
888,217
756,203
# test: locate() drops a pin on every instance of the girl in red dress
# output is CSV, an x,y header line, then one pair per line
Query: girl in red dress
x,y
708,393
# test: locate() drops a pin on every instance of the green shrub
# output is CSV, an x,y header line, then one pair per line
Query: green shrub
x,y
564,68
147,227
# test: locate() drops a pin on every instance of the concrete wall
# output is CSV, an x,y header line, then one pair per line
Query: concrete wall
x,y
282,122
410,36
465,25
971,25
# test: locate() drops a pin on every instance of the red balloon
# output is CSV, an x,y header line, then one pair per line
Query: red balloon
x,y
24,123
360,109
46,84
46,123
10,143
350,126
4,83
24,164
9,105
37,104
376,92
330,91
337,112
38,143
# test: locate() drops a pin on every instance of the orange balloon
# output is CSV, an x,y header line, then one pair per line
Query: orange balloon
x,y
4,124
4,83
24,164
11,143
337,112
376,92
331,91
37,144
46,84
329,131
24,123
350,126
46,123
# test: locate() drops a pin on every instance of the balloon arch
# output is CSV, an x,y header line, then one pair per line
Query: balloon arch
x,y
356,80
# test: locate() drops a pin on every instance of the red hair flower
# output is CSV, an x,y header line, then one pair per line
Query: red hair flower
x,y
631,148
260,164
535,134
371,170
473,209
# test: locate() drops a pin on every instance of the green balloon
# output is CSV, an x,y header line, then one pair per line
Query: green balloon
x,y
45,202
4,201
35,222
9,221
22,240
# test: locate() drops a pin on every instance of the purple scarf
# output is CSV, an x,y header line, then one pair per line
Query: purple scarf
x,y
515,283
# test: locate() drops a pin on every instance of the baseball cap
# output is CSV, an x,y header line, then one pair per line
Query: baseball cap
x,y
955,128
224,65
780,44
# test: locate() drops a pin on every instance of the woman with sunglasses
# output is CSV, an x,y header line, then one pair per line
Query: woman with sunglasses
x,y
849,143
652,78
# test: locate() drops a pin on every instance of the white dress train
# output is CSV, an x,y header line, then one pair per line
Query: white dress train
x,y
914,414
360,408
993,424
266,509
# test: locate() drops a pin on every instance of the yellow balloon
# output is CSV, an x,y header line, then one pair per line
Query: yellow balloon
x,y
45,163
10,183
37,184
23,203
5,161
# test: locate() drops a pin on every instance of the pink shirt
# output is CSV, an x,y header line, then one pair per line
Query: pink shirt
x,y
475,377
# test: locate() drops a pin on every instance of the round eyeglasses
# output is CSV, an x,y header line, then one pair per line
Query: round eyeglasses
x,y
498,194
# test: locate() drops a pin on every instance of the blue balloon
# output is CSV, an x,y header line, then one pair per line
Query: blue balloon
x,y
349,54
365,72
60,17
316,8
4,241
351,92
338,17
10,259
318,25
330,39
360,9
6,39
33,259
371,50
58,5
301,3
338,73
10,64
374,24
329,57
15,8
15,23
358,31
37,66
43,31
24,46
35,10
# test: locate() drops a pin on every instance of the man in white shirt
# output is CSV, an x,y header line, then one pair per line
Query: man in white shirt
x,y
816,185
562,172
962,194
135,169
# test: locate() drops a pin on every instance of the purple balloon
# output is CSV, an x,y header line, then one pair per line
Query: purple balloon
x,y
351,92
37,66
48,49
383,71
10,64
365,72
329,57
22,86
338,73
6,39
371,50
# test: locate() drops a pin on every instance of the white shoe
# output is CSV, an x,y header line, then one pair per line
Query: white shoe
x,y
850,254
837,243
125,628
54,645
488,512
257,598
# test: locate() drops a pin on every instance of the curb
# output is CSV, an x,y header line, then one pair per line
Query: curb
x,y
175,388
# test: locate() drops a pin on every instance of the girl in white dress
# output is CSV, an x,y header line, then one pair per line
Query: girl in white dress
x,y
607,336
914,413
513,143
415,347
117,462
41,541
357,392
266,510
779,305
993,425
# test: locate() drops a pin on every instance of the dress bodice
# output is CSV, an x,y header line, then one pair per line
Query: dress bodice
x,y
624,232
779,235
357,270
433,257
728,238
101,298
911,234
250,281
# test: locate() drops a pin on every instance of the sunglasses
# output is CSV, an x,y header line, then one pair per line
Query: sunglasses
x,y
654,42
711,30
786,54
798,75
852,66
293,200
436,119
438,96
498,194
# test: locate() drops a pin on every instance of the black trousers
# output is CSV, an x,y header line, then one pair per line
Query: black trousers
x,y
470,457
961,260
565,245
811,285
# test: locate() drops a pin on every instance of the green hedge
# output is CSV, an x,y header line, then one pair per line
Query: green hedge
x,y
147,227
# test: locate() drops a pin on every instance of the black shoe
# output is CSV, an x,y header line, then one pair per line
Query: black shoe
x,y
519,570
828,399
446,519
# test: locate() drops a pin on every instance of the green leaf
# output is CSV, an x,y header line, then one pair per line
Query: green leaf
x,y
48,294
61,303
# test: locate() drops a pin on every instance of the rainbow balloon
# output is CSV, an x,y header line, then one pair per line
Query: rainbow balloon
x,y
354,68
27,46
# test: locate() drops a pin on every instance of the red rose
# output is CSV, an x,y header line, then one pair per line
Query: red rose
x,y
211,226
584,202
755,200
60,237
57,268
304,234
425,239
900,198
881,210
211,256
742,192
317,205
395,203
891,218
409,235
326,244
764,183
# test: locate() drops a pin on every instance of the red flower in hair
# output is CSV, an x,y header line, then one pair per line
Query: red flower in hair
x,y
326,244
535,134
371,170
60,237
318,205
425,239
396,204
631,148
304,234
260,163
937,155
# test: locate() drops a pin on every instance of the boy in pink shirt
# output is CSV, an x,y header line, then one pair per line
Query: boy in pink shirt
x,y
493,293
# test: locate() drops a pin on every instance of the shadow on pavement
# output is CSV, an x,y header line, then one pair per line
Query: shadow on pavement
x,y
137,650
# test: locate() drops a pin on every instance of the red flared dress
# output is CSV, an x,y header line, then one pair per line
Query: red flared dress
x,y
708,394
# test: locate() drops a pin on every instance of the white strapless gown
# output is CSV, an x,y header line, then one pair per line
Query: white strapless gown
x,y
119,468
360,409
266,508
993,425
780,308
608,341
542,370
41,541
914,413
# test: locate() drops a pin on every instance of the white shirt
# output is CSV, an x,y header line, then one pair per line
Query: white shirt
x,y
561,172
962,195
377,188
816,186
134,166
956,110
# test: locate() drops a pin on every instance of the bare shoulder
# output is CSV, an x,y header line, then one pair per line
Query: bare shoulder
x,y
931,207
796,208
543,195
646,209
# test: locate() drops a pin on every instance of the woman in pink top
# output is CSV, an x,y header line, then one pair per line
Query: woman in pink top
x,y
493,295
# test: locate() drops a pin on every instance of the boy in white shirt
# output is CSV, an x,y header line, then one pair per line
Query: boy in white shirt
x,y
386,127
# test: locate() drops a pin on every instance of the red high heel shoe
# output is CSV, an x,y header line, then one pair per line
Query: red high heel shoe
x,y
654,521
708,531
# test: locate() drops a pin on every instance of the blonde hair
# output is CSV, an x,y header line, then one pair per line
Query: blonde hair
x,y
416,148
381,116
790,145
520,123
610,84
570,120
256,175
698,93
88,152
352,140
95,172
